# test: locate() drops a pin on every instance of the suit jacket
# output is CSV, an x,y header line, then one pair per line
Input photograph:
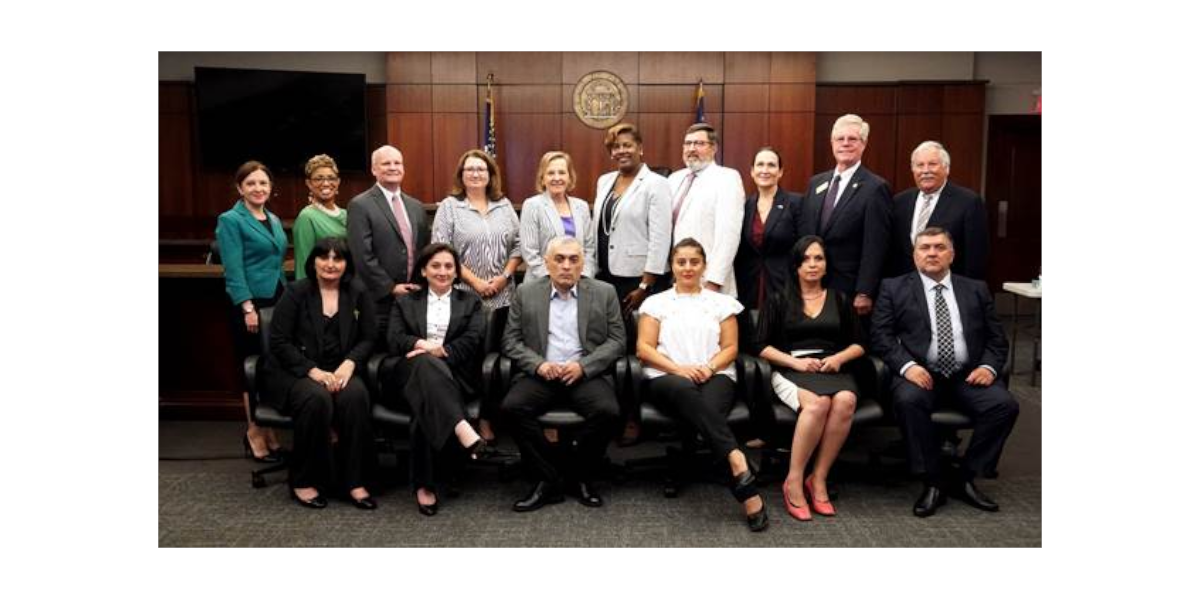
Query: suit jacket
x,y
641,224
712,215
298,326
464,335
857,235
380,256
781,232
252,257
540,223
601,328
901,331
961,212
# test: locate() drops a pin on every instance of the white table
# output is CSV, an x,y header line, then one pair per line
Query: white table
x,y
1028,290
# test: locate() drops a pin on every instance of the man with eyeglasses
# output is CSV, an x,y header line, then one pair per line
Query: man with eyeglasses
x,y
850,208
707,205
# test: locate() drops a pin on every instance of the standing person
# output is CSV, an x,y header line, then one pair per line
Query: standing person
x,y
770,228
938,202
850,208
439,331
707,206
631,220
252,245
688,340
939,334
386,229
322,217
554,213
810,333
564,332
321,337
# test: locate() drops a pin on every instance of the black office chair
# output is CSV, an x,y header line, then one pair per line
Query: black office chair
x,y
262,414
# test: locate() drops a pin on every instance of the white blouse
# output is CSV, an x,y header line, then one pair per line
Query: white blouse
x,y
689,326
437,317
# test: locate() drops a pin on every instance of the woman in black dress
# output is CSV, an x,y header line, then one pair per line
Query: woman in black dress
x,y
808,334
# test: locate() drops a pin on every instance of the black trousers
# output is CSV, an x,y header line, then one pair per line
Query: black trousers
x,y
438,403
314,461
992,408
593,399
705,407
383,313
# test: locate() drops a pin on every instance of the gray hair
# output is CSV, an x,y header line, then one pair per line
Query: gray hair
x,y
563,240
928,145
380,150
852,119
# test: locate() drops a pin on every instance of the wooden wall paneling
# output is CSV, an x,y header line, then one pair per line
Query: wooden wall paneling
x,y
577,64
964,97
176,162
679,99
747,67
880,156
746,97
919,98
590,157
522,98
376,119
409,67
838,100
963,138
793,67
523,138
458,98
413,135
452,67
912,129
681,67
792,134
520,67
453,134
747,132
410,98
662,135
792,97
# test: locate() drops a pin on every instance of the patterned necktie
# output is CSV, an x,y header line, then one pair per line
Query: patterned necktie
x,y
946,364
830,200
923,216
405,232
683,192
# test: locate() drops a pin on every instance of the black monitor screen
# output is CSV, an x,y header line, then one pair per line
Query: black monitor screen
x,y
281,118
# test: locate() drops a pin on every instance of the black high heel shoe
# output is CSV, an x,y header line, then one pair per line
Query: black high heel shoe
x,y
479,449
271,457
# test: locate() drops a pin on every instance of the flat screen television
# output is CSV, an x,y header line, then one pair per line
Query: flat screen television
x,y
281,118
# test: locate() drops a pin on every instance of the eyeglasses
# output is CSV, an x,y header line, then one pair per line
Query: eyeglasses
x,y
324,179
475,169
696,143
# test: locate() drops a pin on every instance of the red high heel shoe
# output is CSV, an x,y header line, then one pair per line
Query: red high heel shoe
x,y
823,508
800,513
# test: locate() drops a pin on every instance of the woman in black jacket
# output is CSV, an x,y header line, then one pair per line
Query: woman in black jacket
x,y
439,332
321,335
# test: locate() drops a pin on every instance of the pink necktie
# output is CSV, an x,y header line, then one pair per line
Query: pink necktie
x,y
405,232
683,192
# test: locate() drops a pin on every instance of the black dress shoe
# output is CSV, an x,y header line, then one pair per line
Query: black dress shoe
x,y
543,493
588,496
478,450
427,509
273,456
364,503
317,501
967,492
931,498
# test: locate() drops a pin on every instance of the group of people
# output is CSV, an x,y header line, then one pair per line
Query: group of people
x,y
687,254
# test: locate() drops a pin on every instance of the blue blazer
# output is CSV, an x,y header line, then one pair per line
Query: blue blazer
x,y
252,256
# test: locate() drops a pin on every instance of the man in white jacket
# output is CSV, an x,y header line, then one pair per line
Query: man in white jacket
x,y
707,205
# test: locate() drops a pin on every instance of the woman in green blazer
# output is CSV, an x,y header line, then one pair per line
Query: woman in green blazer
x,y
252,245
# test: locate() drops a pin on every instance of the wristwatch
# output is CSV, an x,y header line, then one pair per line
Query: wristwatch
x,y
643,286
711,367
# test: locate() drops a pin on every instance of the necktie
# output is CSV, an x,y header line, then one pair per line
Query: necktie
x,y
830,200
923,216
683,192
946,364
405,232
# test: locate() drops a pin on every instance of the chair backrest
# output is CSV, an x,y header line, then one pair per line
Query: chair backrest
x,y
253,367
494,329
214,254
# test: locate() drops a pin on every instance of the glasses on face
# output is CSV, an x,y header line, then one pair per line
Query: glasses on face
x,y
325,179
696,143
475,170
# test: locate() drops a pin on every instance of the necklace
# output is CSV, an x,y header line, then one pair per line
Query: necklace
x,y
333,213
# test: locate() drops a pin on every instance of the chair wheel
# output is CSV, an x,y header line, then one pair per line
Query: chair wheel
x,y
257,481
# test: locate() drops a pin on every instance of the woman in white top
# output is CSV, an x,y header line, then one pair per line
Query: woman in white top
x,y
553,213
687,338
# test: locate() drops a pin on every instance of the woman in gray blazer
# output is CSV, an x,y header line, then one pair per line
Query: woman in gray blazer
x,y
631,220
553,213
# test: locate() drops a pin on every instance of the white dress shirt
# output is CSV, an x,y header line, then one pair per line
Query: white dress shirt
x,y
437,317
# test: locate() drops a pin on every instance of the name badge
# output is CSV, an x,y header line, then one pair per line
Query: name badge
x,y
822,187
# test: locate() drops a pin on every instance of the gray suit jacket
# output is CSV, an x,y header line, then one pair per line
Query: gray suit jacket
x,y
380,257
601,329
641,229
540,223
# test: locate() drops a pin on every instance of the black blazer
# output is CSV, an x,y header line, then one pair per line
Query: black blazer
x,y
961,212
298,326
780,233
901,331
464,335
858,233
380,256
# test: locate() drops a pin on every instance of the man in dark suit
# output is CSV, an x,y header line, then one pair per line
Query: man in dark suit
x,y
386,229
936,202
850,208
939,335
563,334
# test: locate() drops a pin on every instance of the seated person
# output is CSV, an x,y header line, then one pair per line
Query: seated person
x,y
939,334
323,330
687,338
438,329
563,334
809,333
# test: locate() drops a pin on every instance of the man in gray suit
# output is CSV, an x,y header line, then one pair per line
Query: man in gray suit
x,y
563,334
386,228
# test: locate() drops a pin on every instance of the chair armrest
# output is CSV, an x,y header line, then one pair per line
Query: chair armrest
x,y
374,380
636,377
250,371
